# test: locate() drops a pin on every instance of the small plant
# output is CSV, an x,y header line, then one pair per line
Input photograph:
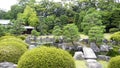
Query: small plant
x,y
35,33
46,57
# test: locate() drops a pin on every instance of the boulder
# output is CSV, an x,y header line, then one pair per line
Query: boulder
x,y
7,65
94,47
93,64
103,57
79,48
78,55
89,53
104,48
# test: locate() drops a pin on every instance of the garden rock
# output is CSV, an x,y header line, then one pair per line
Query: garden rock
x,y
27,40
103,57
93,64
7,65
94,47
78,55
79,48
89,53
105,41
104,48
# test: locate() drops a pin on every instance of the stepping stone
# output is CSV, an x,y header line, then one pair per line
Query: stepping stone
x,y
89,53
93,64
78,55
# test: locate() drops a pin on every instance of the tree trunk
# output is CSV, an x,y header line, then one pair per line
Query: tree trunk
x,y
73,43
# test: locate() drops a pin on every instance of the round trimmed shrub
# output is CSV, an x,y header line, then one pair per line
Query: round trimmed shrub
x,y
115,36
11,51
114,62
12,39
5,37
46,57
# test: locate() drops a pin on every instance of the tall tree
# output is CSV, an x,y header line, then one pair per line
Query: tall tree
x,y
2,14
70,33
29,16
2,30
91,20
96,34
57,31
17,27
15,10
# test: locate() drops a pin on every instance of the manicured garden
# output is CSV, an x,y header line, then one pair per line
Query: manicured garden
x,y
65,34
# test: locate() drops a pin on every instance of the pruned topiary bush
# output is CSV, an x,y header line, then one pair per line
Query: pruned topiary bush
x,y
114,62
11,51
5,37
46,57
116,37
12,39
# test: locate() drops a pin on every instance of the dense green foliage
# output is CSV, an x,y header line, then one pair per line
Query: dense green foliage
x,y
116,37
96,34
112,30
47,14
35,33
17,28
114,52
23,37
91,20
46,57
2,31
11,51
114,62
70,33
57,31
29,16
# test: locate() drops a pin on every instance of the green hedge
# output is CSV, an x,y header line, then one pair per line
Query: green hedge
x,y
5,37
12,39
116,36
11,51
114,52
46,57
114,62
112,30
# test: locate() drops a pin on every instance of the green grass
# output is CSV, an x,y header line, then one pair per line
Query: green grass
x,y
83,36
80,64
104,64
107,36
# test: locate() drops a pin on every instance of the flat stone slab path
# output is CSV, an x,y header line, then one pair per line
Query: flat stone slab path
x,y
89,53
